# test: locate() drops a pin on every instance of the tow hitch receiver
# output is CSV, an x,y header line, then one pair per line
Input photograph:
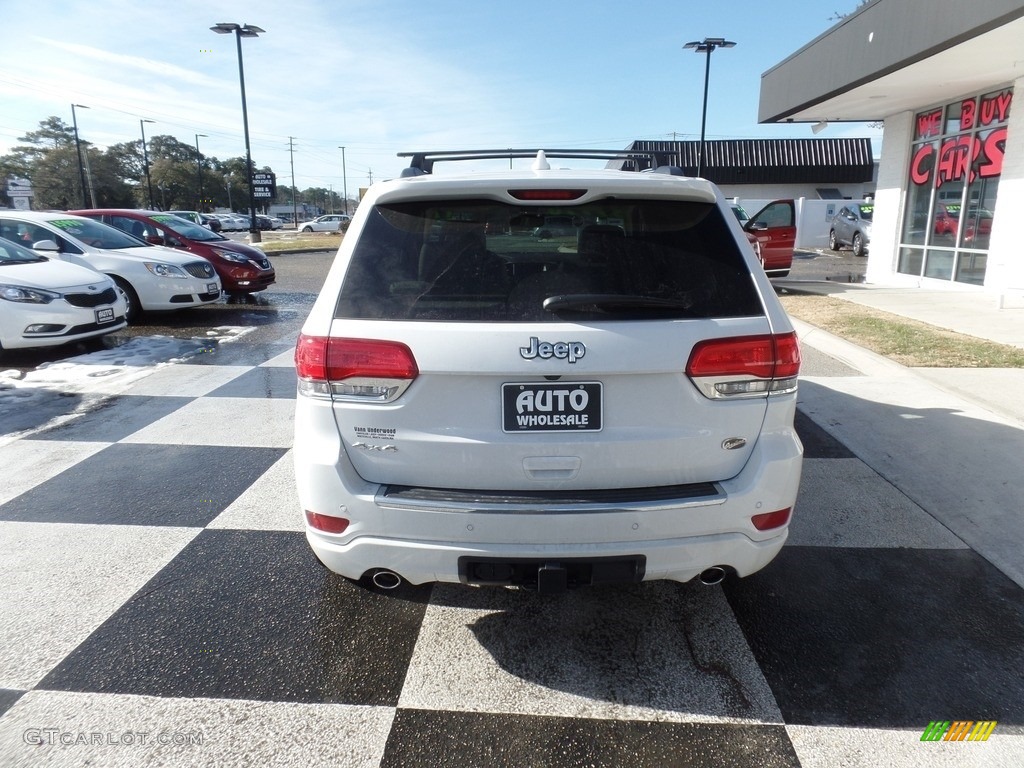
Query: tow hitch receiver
x,y
552,576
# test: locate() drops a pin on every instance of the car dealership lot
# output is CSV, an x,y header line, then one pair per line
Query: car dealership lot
x,y
161,605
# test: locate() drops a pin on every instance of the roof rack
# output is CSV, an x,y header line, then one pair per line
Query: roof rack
x,y
638,160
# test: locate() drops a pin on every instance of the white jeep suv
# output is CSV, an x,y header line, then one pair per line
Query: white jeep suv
x,y
613,403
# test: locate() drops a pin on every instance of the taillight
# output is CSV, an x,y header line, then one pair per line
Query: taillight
x,y
767,520
362,370
745,366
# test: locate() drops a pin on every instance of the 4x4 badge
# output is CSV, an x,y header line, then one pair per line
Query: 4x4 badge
x,y
560,350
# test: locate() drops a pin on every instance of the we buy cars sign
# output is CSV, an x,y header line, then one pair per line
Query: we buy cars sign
x,y
264,185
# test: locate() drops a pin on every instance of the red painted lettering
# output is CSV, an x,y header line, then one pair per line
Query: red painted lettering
x,y
929,124
955,160
995,148
967,114
921,165
996,109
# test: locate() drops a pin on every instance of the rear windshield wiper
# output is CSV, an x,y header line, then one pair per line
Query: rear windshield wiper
x,y
611,301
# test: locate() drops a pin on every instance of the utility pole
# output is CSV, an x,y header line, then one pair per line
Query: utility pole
x,y
295,208
88,177
145,159
344,180
199,170
78,149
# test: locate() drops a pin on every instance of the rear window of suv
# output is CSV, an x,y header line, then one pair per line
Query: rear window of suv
x,y
480,260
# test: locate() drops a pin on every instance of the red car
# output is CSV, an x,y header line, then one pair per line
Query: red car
x,y
772,234
947,219
242,268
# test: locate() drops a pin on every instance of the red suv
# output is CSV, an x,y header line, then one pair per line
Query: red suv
x,y
242,268
772,234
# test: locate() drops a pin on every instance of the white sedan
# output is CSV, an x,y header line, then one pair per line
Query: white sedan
x,y
46,303
150,277
332,222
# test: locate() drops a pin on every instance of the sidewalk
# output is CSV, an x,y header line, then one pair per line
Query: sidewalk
x,y
973,313
951,440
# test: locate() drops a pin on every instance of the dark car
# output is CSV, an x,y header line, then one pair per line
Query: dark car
x,y
242,268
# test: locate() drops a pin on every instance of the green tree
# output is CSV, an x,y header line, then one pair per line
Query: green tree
x,y
837,16
117,177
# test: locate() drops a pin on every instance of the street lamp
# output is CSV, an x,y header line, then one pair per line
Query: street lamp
x,y
344,178
145,160
227,180
707,46
199,169
78,148
244,30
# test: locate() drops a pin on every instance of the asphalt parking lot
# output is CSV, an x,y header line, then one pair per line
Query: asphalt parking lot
x,y
160,604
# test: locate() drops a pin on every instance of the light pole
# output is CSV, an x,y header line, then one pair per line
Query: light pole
x,y
244,30
199,169
145,160
227,180
344,178
706,46
78,149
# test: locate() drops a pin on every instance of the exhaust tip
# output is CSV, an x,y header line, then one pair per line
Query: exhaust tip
x,y
713,575
386,579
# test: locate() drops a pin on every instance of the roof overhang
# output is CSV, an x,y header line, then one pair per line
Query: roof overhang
x,y
893,56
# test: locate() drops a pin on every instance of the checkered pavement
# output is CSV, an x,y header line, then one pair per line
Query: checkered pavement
x,y
159,606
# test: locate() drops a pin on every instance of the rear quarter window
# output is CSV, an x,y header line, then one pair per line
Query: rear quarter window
x,y
475,260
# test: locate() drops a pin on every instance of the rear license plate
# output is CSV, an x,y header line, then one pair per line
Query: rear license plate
x,y
562,407
105,315
212,288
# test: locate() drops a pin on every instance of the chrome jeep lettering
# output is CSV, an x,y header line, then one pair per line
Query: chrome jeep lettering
x,y
560,350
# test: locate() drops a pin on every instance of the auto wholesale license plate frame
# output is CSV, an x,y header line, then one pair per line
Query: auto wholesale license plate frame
x,y
532,407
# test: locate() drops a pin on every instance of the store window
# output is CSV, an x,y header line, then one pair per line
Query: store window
x,y
956,161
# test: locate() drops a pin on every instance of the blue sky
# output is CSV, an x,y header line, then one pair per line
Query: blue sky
x,y
383,76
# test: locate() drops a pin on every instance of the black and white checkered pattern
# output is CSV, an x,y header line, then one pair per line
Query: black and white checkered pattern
x,y
160,606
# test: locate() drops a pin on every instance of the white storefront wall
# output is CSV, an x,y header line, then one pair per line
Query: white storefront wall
x,y
1005,268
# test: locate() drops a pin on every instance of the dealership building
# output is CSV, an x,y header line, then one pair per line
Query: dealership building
x,y
941,75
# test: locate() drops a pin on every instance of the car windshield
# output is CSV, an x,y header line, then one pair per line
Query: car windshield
x,y
613,259
96,234
866,211
740,214
12,253
186,228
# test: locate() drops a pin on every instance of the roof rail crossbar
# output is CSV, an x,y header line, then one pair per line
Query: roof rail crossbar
x,y
424,161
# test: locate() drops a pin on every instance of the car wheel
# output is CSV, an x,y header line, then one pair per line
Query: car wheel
x,y
833,241
131,299
858,244
307,229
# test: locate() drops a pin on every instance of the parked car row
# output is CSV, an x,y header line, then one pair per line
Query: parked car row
x,y
65,277
242,268
238,222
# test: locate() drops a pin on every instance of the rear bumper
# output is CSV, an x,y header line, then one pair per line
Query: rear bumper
x,y
678,536
422,561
